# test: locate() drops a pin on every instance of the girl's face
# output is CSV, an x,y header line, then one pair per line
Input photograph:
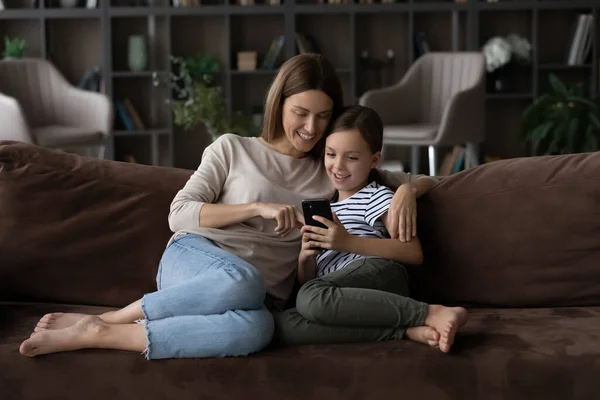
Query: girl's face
x,y
348,160
305,118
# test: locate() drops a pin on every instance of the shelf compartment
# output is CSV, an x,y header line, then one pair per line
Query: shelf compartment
x,y
376,34
503,124
28,29
569,76
137,149
149,101
12,5
436,29
154,32
553,44
317,28
66,37
256,33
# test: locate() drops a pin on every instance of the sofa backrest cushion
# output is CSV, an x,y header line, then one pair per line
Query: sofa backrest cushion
x,y
80,230
518,232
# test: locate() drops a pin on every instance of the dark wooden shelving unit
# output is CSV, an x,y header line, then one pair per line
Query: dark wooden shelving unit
x,y
77,39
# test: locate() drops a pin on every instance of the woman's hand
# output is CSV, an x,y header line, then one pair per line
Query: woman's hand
x,y
335,237
287,216
403,214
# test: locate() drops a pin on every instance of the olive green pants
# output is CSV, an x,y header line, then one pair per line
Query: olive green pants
x,y
365,301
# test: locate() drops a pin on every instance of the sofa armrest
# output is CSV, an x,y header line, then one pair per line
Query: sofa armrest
x,y
14,125
87,109
463,119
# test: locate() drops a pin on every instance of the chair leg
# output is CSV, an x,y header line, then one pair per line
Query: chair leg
x,y
101,151
472,152
432,161
414,159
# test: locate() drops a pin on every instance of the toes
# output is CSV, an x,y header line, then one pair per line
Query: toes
x,y
433,343
28,348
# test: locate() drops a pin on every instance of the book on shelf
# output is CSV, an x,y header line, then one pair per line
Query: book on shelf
x,y
306,44
581,40
270,60
128,115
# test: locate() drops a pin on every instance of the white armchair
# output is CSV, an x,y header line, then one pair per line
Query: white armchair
x,y
439,102
39,106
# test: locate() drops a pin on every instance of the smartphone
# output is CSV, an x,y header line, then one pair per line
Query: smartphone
x,y
318,207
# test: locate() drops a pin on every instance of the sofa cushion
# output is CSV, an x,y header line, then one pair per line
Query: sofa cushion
x,y
500,354
80,230
521,232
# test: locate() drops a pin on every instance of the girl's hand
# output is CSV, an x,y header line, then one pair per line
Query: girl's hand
x,y
288,217
307,253
403,214
335,237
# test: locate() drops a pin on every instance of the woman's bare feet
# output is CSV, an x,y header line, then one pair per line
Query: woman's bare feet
x,y
90,332
127,315
80,335
423,334
56,321
446,320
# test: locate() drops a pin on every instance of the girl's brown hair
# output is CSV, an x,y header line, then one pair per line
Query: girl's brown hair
x,y
303,72
368,123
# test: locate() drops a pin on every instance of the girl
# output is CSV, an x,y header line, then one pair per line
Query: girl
x,y
356,288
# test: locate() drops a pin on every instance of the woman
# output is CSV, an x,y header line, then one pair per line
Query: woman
x,y
232,259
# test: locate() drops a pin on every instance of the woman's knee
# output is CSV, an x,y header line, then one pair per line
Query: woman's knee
x,y
255,332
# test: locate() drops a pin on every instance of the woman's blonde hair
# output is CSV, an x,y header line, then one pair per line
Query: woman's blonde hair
x,y
308,71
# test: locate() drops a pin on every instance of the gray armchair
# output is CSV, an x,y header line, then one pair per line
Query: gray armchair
x,y
39,106
439,102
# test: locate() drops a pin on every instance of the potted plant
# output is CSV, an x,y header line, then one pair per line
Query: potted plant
x,y
13,48
198,101
563,121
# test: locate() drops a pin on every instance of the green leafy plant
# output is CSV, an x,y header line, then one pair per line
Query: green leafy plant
x,y
198,101
14,48
563,121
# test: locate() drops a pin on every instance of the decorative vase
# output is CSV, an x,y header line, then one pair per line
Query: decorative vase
x,y
68,3
137,53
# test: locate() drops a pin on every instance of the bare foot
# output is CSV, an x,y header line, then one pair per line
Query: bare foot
x,y
55,321
75,337
446,320
423,334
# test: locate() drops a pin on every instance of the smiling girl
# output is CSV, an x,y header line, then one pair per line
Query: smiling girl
x,y
356,289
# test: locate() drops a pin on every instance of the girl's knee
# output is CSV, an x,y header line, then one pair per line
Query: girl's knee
x,y
310,300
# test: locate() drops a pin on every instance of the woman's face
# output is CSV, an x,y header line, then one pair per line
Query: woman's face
x,y
305,118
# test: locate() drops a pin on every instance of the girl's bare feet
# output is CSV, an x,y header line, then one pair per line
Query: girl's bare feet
x,y
446,320
423,334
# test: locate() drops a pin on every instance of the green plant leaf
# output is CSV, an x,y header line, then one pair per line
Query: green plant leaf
x,y
557,85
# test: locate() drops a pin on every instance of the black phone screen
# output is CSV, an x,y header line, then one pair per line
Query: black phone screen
x,y
318,207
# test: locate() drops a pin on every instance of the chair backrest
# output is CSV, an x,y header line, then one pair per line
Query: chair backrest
x,y
36,84
441,76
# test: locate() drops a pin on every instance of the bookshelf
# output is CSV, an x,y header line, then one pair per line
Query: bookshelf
x,y
79,38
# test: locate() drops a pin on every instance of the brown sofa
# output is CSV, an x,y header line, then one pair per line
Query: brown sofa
x,y
516,241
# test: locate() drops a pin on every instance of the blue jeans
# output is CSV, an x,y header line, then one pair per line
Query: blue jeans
x,y
209,303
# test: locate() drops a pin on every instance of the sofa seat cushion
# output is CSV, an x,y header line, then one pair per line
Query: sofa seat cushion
x,y
500,354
